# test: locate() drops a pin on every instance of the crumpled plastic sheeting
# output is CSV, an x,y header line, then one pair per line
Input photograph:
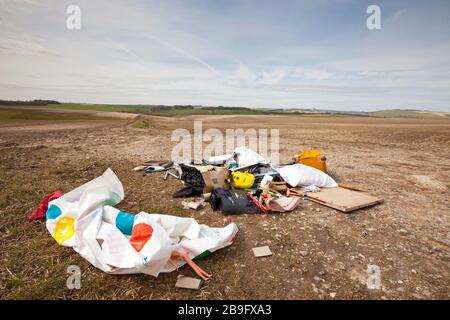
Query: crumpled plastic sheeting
x,y
301,175
247,157
122,243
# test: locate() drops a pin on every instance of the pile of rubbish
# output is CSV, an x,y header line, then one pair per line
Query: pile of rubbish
x,y
122,243
243,182
118,242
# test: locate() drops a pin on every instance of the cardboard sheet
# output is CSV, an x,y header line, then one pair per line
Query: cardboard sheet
x,y
262,251
188,283
343,199
214,177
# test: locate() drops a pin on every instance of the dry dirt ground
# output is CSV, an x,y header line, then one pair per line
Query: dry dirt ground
x,y
318,252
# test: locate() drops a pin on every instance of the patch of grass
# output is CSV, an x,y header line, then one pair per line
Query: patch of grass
x,y
290,260
91,107
140,124
180,111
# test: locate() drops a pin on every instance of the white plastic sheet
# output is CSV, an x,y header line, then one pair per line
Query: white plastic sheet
x,y
301,175
122,243
247,157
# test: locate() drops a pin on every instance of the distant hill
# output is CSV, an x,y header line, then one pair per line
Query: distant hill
x,y
407,113
186,110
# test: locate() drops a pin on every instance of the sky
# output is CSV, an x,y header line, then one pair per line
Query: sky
x,y
269,54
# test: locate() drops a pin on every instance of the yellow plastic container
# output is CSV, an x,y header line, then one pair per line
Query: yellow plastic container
x,y
242,180
313,158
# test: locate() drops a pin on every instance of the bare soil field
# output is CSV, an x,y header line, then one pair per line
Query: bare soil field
x,y
318,252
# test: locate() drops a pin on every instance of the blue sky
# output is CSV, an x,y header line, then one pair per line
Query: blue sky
x,y
305,54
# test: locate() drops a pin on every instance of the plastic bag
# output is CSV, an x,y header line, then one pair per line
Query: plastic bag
x,y
301,175
246,157
122,243
282,204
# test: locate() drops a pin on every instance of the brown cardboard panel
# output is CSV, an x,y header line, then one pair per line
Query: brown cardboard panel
x,y
343,199
188,283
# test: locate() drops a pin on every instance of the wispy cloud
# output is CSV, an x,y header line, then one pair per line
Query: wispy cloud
x,y
252,53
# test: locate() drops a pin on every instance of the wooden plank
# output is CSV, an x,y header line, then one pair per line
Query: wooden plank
x,y
352,187
343,199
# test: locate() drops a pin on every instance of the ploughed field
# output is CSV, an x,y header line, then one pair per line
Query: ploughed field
x,y
318,252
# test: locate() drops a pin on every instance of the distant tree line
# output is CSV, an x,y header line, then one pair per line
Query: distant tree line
x,y
228,108
27,103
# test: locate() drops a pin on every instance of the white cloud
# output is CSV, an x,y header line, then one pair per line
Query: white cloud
x,y
24,44
245,74
146,52
398,14
274,75
313,74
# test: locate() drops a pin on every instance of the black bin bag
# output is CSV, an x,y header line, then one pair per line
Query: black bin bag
x,y
232,202
193,181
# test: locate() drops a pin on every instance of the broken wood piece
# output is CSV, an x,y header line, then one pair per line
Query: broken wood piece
x,y
278,182
352,187
188,283
277,187
262,251
295,192
275,191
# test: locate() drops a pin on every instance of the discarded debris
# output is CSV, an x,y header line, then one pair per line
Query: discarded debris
x,y
262,251
41,211
123,243
304,253
244,182
195,205
168,173
312,158
302,175
343,199
185,282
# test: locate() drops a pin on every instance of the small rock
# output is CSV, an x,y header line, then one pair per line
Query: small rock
x,y
304,253
403,232
332,294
